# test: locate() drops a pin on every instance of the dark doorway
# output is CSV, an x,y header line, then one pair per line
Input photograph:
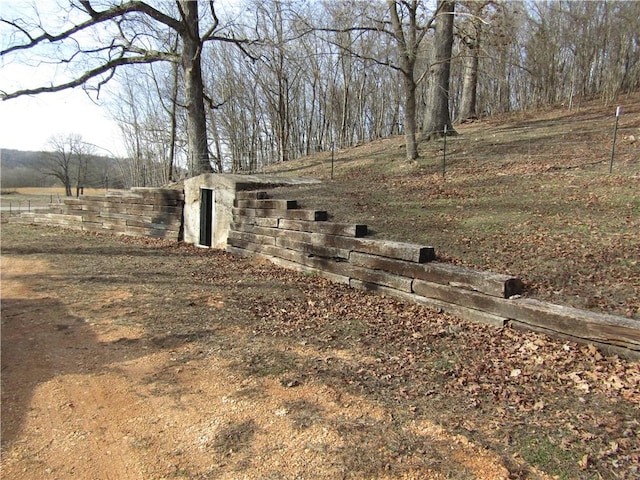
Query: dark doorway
x,y
206,217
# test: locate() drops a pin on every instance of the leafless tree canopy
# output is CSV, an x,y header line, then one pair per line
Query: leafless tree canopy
x,y
69,162
211,87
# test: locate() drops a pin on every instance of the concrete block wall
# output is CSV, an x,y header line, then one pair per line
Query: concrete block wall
x,y
304,240
146,212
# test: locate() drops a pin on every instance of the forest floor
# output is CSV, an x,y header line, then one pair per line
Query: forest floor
x,y
135,358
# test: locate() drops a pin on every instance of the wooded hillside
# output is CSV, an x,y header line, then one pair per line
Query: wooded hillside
x,y
283,79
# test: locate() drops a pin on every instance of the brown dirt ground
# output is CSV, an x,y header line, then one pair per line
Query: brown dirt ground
x,y
129,359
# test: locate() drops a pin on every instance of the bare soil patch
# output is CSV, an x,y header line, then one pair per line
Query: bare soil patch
x,y
133,358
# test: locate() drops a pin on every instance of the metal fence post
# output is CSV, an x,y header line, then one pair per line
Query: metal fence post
x,y
444,153
333,146
613,147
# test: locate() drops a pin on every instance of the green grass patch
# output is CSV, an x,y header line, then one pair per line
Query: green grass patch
x,y
548,456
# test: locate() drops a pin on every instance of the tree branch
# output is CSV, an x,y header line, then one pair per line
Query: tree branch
x,y
349,50
398,32
215,24
88,75
17,27
241,43
213,106
131,7
95,19
354,29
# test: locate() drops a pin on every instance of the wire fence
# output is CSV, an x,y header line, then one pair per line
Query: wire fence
x,y
608,144
612,147
16,206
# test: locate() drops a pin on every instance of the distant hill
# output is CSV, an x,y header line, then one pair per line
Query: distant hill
x,y
17,158
23,169
20,168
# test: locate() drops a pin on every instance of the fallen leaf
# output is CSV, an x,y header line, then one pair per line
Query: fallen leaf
x,y
612,450
584,462
615,382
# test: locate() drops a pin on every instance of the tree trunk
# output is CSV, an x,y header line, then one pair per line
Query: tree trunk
x,y
410,124
283,116
470,84
216,141
194,92
437,115
174,124
310,117
408,46
345,114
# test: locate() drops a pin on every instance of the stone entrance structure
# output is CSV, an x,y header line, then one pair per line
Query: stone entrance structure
x,y
208,203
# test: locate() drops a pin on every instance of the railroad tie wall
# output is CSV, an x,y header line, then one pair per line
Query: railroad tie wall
x,y
147,212
304,240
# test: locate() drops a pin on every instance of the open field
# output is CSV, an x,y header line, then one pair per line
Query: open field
x,y
528,194
136,358
36,197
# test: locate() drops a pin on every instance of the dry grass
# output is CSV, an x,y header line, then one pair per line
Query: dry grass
x,y
528,194
38,197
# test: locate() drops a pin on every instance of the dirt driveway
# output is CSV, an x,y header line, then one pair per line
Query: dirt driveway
x,y
138,359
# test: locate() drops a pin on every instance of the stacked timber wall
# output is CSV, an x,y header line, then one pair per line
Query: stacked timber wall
x,y
304,240
147,212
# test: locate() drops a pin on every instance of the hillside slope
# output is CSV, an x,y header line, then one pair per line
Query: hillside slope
x,y
528,194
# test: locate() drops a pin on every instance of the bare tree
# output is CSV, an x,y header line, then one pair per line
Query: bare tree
x,y
408,44
506,81
324,72
278,74
437,117
83,153
68,162
407,24
134,30
470,31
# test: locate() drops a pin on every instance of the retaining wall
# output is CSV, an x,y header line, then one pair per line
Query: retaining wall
x,y
304,240
145,212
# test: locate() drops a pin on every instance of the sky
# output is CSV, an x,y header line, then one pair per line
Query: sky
x,y
28,123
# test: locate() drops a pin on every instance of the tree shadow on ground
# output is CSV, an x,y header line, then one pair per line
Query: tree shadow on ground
x,y
41,340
